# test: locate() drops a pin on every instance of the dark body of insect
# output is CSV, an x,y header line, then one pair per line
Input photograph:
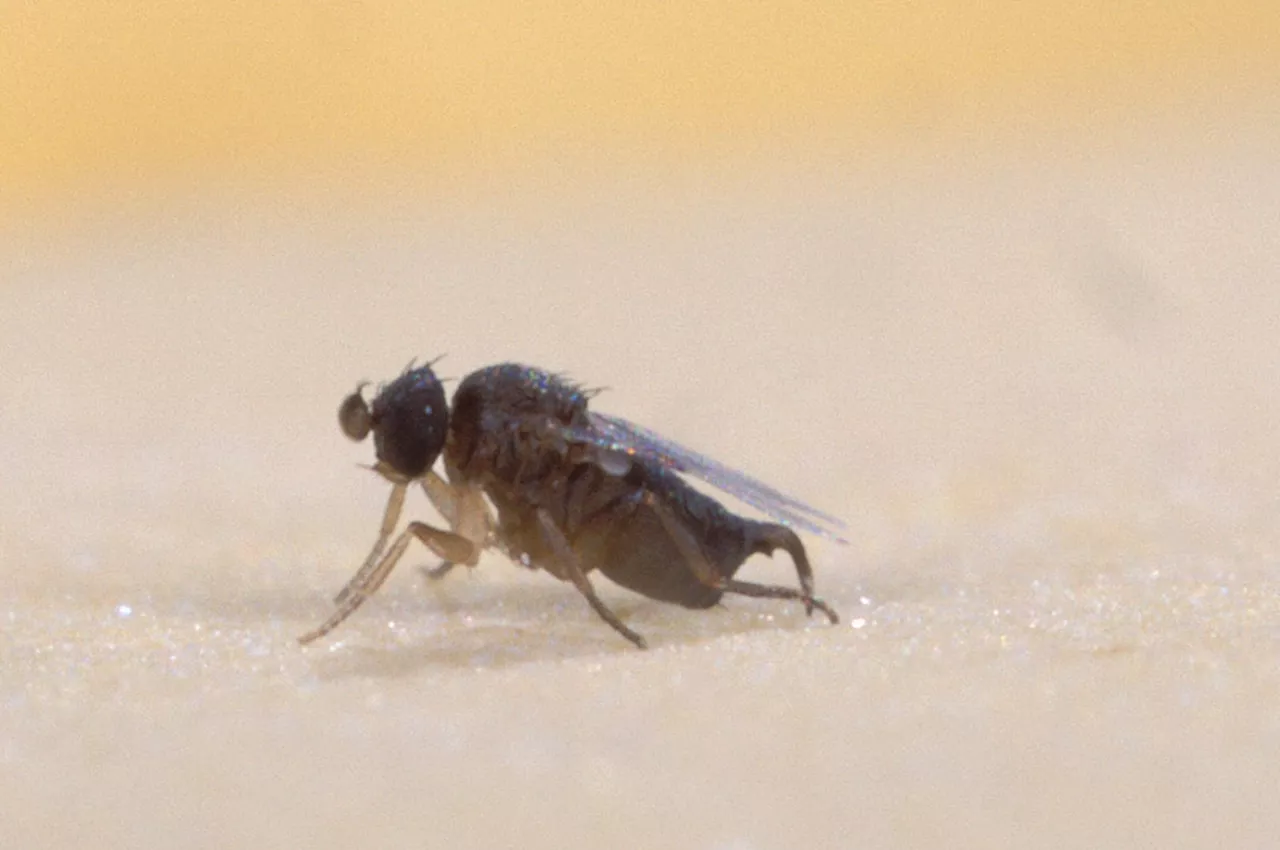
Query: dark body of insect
x,y
571,491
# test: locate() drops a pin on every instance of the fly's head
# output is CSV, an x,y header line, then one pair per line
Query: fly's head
x,y
409,418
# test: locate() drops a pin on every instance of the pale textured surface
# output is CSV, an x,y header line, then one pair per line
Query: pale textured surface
x,y
1042,390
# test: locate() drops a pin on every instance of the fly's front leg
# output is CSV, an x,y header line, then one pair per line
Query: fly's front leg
x,y
389,519
443,496
365,583
445,500
568,561
706,573
467,513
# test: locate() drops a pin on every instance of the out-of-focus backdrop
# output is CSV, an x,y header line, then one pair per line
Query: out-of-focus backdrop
x,y
119,95
996,282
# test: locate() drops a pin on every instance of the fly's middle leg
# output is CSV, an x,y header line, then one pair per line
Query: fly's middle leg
x,y
706,572
568,561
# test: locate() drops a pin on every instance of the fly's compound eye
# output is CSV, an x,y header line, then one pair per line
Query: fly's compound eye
x,y
354,417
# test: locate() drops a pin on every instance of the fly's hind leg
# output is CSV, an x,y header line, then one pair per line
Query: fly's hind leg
x,y
568,561
771,536
776,537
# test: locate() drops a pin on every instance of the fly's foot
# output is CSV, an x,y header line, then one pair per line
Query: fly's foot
x,y
437,572
813,602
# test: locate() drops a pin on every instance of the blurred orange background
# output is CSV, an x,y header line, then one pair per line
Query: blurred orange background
x,y
1040,384
96,94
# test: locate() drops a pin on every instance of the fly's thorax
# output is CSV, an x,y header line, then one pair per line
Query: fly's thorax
x,y
504,410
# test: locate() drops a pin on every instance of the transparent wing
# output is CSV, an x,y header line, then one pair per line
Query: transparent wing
x,y
617,434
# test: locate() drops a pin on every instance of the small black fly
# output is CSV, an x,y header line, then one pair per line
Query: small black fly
x,y
531,471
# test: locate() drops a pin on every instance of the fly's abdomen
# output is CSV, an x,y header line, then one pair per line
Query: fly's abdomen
x,y
640,554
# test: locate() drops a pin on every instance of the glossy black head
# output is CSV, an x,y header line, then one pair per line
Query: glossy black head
x,y
409,419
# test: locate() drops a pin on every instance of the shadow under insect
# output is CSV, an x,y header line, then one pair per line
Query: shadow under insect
x,y
514,623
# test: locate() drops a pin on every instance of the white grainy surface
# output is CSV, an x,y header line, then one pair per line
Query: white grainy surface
x,y
1042,389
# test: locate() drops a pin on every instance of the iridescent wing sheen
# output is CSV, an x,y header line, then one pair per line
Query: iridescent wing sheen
x,y
619,435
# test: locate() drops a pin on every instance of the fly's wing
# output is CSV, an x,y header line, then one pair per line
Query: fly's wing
x,y
617,434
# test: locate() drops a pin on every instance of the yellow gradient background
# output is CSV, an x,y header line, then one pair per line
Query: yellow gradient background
x,y
94,93
994,282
